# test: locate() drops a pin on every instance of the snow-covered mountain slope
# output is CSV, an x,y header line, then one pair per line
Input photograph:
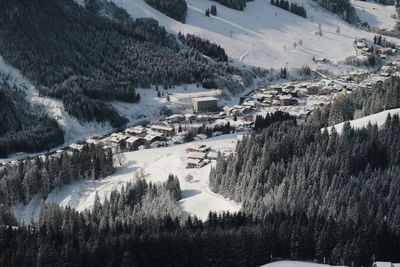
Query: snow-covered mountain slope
x,y
262,35
378,119
377,15
156,164
147,110
73,129
294,264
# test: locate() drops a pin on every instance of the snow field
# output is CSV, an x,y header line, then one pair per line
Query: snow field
x,y
378,119
156,164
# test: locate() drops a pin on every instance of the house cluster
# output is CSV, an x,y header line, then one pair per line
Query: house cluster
x,y
384,73
172,130
304,95
365,48
198,156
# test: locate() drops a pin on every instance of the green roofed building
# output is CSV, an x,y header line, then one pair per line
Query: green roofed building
x,y
205,104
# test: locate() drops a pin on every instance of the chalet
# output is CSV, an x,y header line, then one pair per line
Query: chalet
x,y
199,148
250,104
92,141
285,100
200,137
361,44
289,87
134,142
139,131
153,138
163,129
276,102
76,147
275,92
194,163
158,144
117,138
365,51
384,74
313,90
203,118
175,118
385,51
196,155
326,91
190,117
276,89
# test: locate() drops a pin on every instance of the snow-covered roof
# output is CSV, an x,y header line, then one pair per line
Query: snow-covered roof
x,y
92,141
133,139
207,98
162,127
76,146
178,116
195,162
136,129
196,155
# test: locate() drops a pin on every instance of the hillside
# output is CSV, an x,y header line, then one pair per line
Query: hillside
x,y
83,76
155,163
376,14
378,119
259,34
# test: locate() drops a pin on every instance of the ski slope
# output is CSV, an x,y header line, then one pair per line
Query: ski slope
x,y
376,14
378,119
156,164
262,35
294,264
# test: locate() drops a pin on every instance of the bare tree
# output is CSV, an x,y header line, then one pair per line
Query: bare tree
x,y
120,159
338,30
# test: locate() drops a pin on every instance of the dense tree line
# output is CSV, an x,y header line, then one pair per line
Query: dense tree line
x,y
342,8
306,194
22,180
175,9
22,127
292,7
86,109
360,103
234,4
367,61
383,42
349,180
101,238
262,122
107,9
205,47
102,54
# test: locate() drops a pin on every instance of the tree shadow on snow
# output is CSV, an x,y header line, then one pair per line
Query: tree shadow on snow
x,y
190,193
